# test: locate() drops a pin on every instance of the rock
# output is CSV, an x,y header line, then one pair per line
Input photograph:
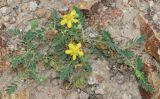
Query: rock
x,y
125,96
6,18
12,20
43,12
33,6
3,3
73,95
154,78
109,3
54,75
40,88
88,6
101,89
13,2
152,44
155,17
4,65
121,79
24,7
2,26
5,10
84,95
98,74
55,82
125,1
151,3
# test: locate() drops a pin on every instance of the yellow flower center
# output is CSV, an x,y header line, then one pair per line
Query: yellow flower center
x,y
69,19
74,50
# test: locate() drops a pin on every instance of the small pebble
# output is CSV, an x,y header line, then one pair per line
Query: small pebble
x,y
12,20
5,10
33,6
7,18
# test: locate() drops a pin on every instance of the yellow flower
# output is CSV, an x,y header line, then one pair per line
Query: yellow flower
x,y
69,19
74,50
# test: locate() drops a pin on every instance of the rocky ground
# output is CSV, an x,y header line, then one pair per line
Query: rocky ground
x,y
108,80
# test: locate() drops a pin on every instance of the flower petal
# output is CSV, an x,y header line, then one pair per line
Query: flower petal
x,y
78,46
73,13
74,20
63,22
74,57
71,46
68,51
80,53
69,24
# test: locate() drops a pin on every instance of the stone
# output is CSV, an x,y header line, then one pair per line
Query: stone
x,y
5,10
98,74
3,3
13,2
54,74
151,3
154,79
4,65
24,7
12,20
6,18
73,95
2,26
152,46
33,6
88,6
43,12
101,89
125,1
83,95
109,3
147,28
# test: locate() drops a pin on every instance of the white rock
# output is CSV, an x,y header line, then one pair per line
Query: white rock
x,y
155,17
73,95
6,18
125,1
33,6
83,95
100,89
151,3
3,3
13,2
92,80
12,20
5,10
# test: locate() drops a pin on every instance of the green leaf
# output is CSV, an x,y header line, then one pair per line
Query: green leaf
x,y
15,61
135,41
109,41
139,64
65,72
55,18
88,68
15,31
32,35
80,16
34,24
85,59
11,88
79,81
127,54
